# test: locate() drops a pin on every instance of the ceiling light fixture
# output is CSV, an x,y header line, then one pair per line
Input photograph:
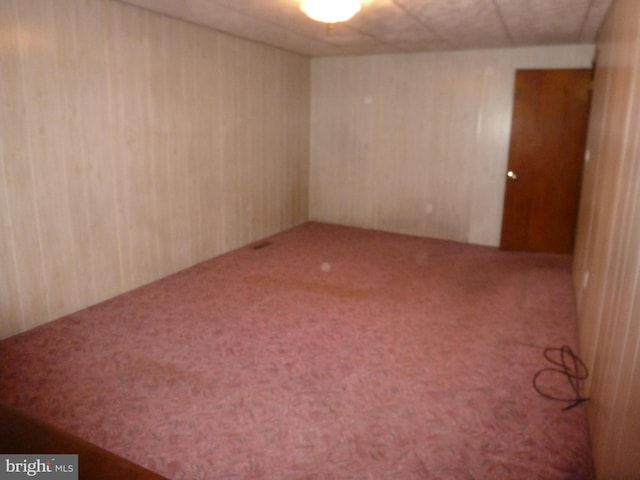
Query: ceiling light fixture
x,y
330,11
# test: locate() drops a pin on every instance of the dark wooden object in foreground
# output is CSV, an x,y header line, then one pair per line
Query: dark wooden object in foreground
x,y
22,433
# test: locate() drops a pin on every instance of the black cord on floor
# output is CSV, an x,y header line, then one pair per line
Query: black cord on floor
x,y
571,367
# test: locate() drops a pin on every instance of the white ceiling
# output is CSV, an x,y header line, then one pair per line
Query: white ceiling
x,y
392,26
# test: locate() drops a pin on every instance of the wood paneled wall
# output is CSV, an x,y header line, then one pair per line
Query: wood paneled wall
x,y
607,258
418,143
133,145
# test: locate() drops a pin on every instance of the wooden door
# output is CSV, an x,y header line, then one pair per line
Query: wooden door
x,y
550,116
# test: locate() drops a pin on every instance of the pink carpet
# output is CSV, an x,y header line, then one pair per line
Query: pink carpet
x,y
332,353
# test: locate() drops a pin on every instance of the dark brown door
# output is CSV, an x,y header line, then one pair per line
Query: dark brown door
x,y
550,115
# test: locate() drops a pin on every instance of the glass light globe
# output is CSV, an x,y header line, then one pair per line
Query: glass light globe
x,y
330,11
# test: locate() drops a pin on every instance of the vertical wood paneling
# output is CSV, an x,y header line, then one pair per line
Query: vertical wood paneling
x,y
419,143
25,265
115,167
11,300
258,146
607,266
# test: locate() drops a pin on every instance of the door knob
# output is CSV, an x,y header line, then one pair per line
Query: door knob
x,y
512,175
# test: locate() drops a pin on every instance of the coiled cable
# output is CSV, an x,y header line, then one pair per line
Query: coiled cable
x,y
569,365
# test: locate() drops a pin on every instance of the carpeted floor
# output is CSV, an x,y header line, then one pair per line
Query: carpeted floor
x,y
330,353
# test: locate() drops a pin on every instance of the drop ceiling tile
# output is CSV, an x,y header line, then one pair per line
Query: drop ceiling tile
x,y
348,37
540,22
595,16
386,26
461,23
265,32
285,13
390,24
